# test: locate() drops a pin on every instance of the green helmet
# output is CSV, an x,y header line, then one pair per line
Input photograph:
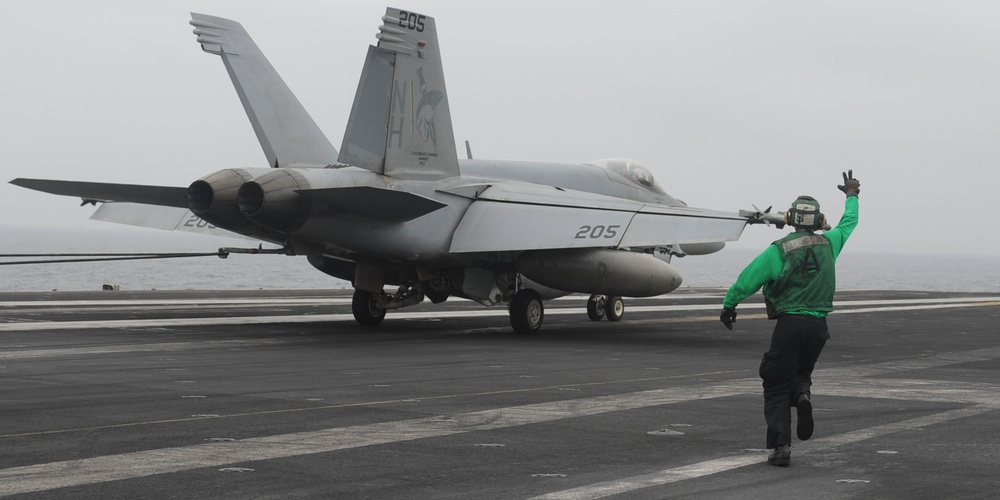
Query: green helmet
x,y
804,214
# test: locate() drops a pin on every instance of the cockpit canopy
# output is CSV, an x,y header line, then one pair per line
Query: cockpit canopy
x,y
631,171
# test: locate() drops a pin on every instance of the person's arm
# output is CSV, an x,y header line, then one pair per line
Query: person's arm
x,y
765,267
762,269
838,236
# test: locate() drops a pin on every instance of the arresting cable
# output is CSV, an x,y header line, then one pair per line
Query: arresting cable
x,y
66,258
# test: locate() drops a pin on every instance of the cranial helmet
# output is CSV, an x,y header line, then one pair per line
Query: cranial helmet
x,y
804,214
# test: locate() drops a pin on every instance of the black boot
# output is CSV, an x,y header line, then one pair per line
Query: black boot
x,y
781,456
804,408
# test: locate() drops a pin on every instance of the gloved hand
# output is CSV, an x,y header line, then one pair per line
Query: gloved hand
x,y
728,317
851,186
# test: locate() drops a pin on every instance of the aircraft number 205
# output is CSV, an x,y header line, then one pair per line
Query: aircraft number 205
x,y
411,21
599,231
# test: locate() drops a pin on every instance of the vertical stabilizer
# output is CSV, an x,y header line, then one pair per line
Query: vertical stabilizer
x,y
286,132
400,125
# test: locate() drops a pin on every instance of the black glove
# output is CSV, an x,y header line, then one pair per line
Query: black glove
x,y
728,317
851,186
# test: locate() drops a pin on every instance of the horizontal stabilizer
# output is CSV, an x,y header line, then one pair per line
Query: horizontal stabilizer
x,y
373,203
99,191
165,218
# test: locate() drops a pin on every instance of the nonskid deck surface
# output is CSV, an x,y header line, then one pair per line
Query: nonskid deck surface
x,y
279,393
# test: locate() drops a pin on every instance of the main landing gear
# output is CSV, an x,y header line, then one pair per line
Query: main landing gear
x,y
526,311
610,306
525,307
367,309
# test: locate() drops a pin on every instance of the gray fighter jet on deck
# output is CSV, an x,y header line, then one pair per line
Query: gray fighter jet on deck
x,y
396,207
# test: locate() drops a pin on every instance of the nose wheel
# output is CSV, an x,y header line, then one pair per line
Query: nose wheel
x,y
609,306
595,307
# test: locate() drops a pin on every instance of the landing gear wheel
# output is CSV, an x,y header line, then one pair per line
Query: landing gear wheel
x,y
526,312
615,308
366,309
595,307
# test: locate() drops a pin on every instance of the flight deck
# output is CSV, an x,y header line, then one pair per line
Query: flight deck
x,y
280,394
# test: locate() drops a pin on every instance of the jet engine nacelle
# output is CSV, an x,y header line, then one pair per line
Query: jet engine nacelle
x,y
271,200
599,271
213,198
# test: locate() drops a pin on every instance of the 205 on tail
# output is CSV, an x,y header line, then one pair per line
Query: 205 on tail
x,y
400,216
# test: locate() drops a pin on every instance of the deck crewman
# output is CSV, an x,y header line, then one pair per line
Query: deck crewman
x,y
798,275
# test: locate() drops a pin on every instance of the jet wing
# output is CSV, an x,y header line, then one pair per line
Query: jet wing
x,y
100,191
517,217
157,207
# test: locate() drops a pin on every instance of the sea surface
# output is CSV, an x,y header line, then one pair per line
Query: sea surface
x,y
855,270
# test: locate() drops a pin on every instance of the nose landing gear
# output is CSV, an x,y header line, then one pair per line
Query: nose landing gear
x,y
610,306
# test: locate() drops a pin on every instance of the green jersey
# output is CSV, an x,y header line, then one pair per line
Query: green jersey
x,y
787,293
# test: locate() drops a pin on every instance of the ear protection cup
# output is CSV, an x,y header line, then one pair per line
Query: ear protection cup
x,y
789,218
805,213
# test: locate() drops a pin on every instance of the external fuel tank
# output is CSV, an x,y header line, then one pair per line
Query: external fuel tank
x,y
599,271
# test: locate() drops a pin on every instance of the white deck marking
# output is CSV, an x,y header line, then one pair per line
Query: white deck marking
x,y
41,477
231,302
268,301
851,383
299,301
709,467
328,300
625,485
113,349
154,323
927,304
983,397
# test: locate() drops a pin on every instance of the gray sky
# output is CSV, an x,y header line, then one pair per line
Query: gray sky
x,y
729,103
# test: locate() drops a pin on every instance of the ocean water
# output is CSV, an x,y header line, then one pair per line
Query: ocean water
x,y
855,270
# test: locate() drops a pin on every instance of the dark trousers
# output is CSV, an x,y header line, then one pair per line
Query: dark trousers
x,y
787,370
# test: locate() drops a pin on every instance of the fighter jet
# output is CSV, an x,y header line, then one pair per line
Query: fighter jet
x,y
397,209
